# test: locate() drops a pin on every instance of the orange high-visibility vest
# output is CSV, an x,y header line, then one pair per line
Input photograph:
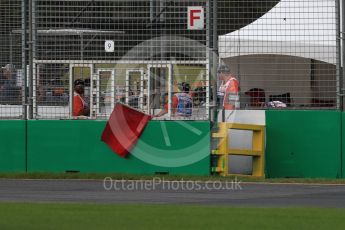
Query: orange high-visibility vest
x,y
231,95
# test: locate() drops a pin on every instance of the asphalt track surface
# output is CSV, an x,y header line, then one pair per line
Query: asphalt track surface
x,y
157,192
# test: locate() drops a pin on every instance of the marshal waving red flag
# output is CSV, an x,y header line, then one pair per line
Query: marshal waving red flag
x,y
123,129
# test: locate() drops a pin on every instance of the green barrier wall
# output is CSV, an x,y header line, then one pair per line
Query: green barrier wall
x,y
298,144
303,144
74,145
12,146
343,144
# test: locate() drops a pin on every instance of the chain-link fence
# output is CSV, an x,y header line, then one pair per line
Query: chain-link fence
x,y
11,46
154,55
134,52
289,57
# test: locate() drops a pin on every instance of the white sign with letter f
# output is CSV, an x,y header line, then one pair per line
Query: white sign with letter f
x,y
195,18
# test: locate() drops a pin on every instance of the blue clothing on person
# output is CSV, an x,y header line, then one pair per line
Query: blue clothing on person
x,y
184,105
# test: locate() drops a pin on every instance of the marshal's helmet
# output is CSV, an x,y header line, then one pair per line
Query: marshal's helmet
x,y
184,87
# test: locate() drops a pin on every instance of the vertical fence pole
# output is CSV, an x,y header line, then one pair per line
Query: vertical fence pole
x,y
214,54
342,18
342,44
25,77
30,74
24,59
339,58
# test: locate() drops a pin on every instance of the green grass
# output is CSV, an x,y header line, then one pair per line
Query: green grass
x,y
93,216
101,176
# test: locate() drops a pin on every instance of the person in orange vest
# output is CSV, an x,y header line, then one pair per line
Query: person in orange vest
x,y
228,93
80,106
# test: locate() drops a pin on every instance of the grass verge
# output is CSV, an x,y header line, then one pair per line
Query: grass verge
x,y
101,176
96,216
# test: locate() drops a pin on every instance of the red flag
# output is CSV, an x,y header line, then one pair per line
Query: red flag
x,y
124,128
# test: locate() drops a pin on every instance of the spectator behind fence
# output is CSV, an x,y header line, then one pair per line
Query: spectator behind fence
x,y
9,92
8,77
80,106
228,97
182,102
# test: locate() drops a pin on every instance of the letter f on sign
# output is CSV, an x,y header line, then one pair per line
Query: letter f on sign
x,y
194,14
195,18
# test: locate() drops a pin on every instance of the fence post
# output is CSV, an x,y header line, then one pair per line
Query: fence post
x,y
341,16
30,74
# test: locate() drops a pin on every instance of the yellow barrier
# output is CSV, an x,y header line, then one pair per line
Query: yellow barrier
x,y
223,150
